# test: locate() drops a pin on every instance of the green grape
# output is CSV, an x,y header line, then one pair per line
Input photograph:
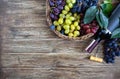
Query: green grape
x,y
78,17
58,28
75,14
77,27
68,1
60,21
67,21
67,8
66,27
70,13
73,1
75,23
78,20
70,35
72,18
56,23
76,33
63,24
72,27
67,16
62,16
70,5
71,31
64,12
67,31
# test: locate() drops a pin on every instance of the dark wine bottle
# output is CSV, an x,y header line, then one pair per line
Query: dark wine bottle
x,y
103,34
114,20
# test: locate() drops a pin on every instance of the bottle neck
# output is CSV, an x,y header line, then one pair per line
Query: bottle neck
x,y
102,34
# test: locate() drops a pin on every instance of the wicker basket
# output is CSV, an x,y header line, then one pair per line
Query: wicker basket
x,y
58,33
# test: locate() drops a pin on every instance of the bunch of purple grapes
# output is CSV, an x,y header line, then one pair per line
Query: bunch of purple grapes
x,y
82,5
56,8
111,50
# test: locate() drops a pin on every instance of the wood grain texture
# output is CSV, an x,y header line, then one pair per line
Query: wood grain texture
x,y
30,50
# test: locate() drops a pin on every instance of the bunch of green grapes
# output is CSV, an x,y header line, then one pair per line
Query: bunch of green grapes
x,y
68,21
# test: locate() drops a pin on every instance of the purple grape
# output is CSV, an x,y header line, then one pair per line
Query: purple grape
x,y
63,3
111,50
60,7
79,9
74,9
56,17
52,27
84,4
58,2
52,0
117,51
79,1
56,7
56,11
51,3
52,16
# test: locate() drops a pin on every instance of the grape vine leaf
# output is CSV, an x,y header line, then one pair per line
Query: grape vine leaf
x,y
107,1
90,14
98,19
102,19
107,8
116,33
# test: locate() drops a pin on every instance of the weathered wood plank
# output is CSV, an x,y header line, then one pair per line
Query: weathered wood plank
x,y
25,20
45,45
31,32
51,60
62,73
67,60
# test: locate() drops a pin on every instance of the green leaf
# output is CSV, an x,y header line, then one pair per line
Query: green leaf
x,y
98,18
104,19
116,33
90,14
107,8
107,1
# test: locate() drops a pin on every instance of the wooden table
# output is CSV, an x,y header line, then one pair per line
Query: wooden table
x,y
30,50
